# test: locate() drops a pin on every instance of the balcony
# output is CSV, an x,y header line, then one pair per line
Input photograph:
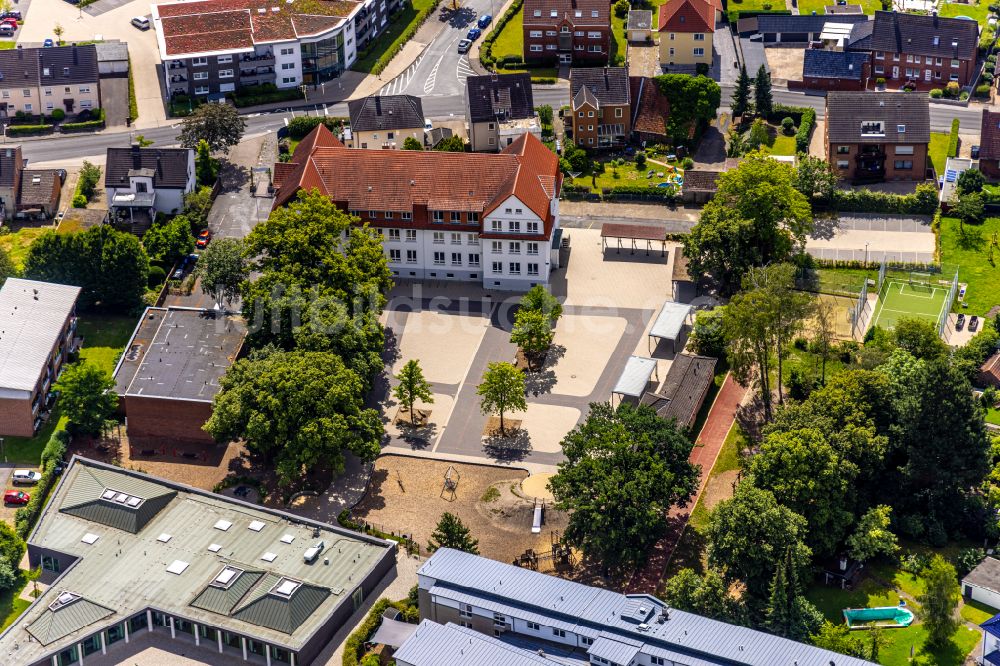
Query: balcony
x,y
178,78
256,78
261,59
177,65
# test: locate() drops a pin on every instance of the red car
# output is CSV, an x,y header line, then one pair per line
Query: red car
x,y
203,238
16,497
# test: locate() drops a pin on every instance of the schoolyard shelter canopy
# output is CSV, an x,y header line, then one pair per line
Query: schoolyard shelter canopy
x,y
393,633
670,322
635,376
633,233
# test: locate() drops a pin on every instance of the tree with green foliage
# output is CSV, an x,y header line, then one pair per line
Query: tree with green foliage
x,y
969,209
169,241
872,535
920,338
451,144
545,114
741,93
623,470
621,8
410,143
297,410
539,299
815,178
88,179
142,141
574,159
7,267
11,545
839,638
807,475
86,397
706,595
967,358
532,332
412,387
937,604
748,329
757,217
501,391
110,266
222,269
749,533
220,125
763,100
694,100
970,181
451,532
197,206
204,165
757,137
707,336
790,614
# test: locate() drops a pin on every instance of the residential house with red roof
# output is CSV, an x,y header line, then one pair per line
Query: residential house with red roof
x,y
213,47
686,30
490,218
568,32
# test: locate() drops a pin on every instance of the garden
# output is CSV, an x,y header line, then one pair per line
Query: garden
x,y
972,248
402,27
503,48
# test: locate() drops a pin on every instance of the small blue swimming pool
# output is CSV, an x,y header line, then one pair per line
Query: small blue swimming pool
x,y
882,616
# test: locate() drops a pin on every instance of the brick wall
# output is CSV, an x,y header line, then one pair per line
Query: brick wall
x,y
159,421
15,418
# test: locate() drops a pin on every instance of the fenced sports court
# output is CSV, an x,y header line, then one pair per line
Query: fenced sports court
x,y
847,293
915,295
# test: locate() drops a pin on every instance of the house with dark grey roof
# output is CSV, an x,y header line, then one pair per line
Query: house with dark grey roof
x,y
12,163
683,390
924,50
639,25
601,106
798,29
131,559
499,108
150,180
982,584
41,80
27,193
170,372
599,626
834,70
876,136
385,121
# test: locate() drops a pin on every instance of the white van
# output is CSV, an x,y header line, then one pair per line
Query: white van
x,y
141,22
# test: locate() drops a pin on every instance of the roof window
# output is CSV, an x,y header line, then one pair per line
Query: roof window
x,y
256,526
937,40
118,497
954,43
554,13
227,577
901,129
177,567
593,13
578,13
285,588
214,548
64,599
288,538
538,12
90,539
223,525
269,557
163,538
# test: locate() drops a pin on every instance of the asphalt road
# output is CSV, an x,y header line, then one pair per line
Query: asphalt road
x,y
52,149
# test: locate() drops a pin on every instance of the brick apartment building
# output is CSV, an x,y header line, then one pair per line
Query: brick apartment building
x,y
925,51
877,136
989,145
39,327
486,218
566,32
600,103
170,372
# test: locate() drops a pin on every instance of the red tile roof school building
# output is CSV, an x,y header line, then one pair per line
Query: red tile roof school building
x,y
213,47
488,218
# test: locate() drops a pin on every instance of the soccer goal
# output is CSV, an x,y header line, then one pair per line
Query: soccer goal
x,y
920,280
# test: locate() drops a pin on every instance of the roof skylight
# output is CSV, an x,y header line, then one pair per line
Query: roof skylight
x,y
177,567
227,577
163,538
223,525
64,599
256,526
285,587
268,557
89,539
214,548
288,538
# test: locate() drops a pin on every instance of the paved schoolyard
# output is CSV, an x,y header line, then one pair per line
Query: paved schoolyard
x,y
862,237
456,330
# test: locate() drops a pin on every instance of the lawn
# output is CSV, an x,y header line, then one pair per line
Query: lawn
x,y
971,253
394,36
11,606
7,44
28,450
980,12
510,41
16,244
618,46
977,613
728,460
819,6
626,175
938,151
104,338
783,145
993,416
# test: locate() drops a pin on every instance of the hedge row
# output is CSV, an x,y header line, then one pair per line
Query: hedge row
x,y
644,190
858,263
52,454
355,644
486,50
953,139
737,14
924,201
268,97
397,46
28,130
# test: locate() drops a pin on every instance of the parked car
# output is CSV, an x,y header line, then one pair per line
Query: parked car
x,y
25,476
485,20
16,497
9,20
474,34
140,22
7,29
975,152
16,15
463,46
48,43
960,321
203,239
973,323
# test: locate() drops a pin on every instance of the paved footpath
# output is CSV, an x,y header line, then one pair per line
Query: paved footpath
x,y
705,452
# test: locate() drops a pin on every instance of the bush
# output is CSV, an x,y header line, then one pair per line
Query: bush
x,y
953,138
687,163
621,8
880,81
28,130
706,335
156,276
355,644
640,160
987,77
787,126
265,93
968,559
300,126
79,201
922,202
58,114
952,89
701,69
936,93
26,516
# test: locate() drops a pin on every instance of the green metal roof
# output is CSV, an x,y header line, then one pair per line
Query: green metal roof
x,y
85,499
221,600
268,610
54,624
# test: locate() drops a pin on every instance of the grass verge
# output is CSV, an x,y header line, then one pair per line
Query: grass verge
x,y
938,151
971,251
395,37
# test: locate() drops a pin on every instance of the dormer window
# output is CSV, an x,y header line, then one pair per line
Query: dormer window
x,y
538,12
593,13
937,40
901,129
554,13
872,128
954,43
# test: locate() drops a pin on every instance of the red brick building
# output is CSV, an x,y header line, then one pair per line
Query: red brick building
x,y
925,51
989,145
877,136
601,106
576,32
170,371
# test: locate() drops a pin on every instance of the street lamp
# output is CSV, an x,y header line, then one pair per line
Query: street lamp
x,y
3,450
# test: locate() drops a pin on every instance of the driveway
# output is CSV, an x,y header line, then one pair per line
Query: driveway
x,y
236,211
753,55
114,98
725,55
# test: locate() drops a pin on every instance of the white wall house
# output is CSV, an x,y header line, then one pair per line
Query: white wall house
x,y
153,179
982,584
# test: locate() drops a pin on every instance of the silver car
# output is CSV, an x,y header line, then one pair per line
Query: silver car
x,y
25,476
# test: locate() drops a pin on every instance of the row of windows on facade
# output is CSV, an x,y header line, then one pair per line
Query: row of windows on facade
x,y
554,13
697,52
619,112
698,36
26,92
915,60
898,165
500,622
49,106
496,226
914,73
225,59
455,216
514,267
593,48
897,150
578,33
514,247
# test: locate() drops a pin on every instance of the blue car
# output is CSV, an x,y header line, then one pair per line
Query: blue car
x,y
48,43
485,20
474,34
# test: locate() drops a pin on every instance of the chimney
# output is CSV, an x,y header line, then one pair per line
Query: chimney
x,y
136,156
76,55
378,105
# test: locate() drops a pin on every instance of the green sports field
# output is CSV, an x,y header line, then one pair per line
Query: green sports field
x,y
899,299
